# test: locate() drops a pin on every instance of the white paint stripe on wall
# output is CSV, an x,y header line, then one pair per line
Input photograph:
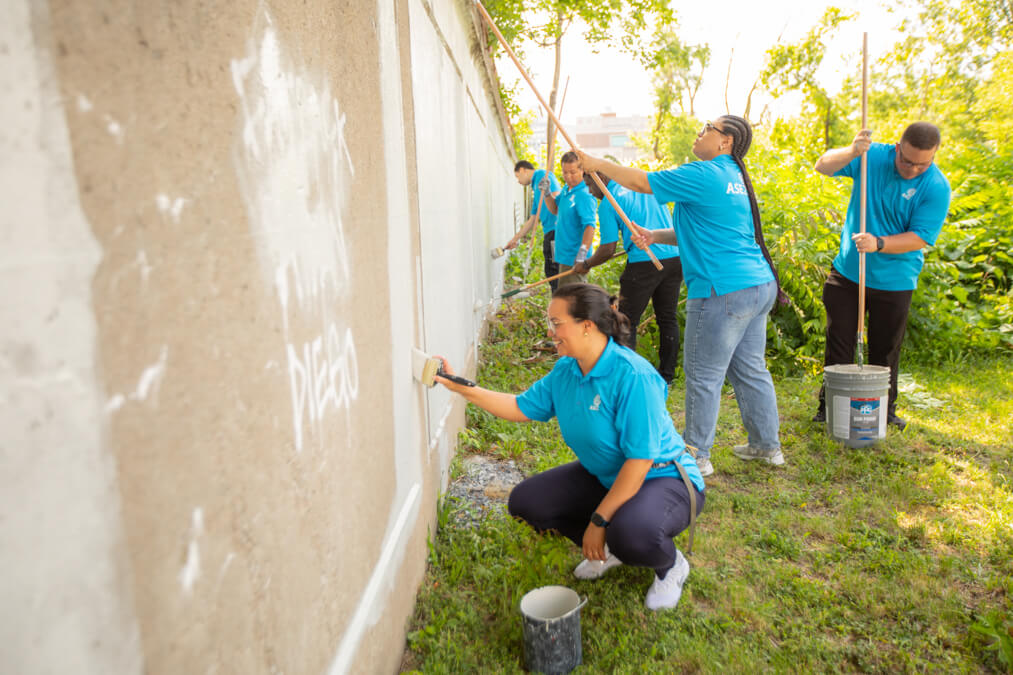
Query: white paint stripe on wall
x,y
65,588
380,581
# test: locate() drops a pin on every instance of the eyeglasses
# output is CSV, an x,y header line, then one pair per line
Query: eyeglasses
x,y
553,324
907,162
708,127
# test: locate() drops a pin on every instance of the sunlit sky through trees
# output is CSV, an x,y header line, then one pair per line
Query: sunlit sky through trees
x,y
612,80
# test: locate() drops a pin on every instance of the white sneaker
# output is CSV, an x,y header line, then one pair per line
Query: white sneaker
x,y
665,593
769,456
704,464
593,569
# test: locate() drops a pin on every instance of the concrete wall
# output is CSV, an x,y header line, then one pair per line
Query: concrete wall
x,y
224,229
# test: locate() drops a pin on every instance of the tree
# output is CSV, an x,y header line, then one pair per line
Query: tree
x,y
619,23
676,74
793,68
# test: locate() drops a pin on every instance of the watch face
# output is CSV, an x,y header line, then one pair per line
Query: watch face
x,y
598,520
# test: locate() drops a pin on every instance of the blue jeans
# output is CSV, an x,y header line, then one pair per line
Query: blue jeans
x,y
726,335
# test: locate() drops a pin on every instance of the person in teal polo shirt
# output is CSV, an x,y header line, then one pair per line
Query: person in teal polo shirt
x,y
641,282
731,282
907,199
628,493
575,213
543,183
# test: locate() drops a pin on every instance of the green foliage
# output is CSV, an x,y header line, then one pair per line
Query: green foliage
x,y
895,558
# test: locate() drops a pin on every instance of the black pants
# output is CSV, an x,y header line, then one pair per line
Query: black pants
x,y
640,532
551,266
641,283
887,320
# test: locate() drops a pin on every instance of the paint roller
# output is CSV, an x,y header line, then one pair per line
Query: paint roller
x,y
517,291
425,368
601,186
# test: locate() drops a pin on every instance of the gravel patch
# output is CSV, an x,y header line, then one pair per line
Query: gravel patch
x,y
483,486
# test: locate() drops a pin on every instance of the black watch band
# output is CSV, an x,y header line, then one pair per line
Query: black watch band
x,y
596,519
880,243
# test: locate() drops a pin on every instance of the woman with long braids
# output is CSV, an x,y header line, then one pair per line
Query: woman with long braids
x,y
633,486
731,280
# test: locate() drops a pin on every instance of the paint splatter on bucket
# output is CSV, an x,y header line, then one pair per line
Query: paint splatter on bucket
x,y
857,403
551,617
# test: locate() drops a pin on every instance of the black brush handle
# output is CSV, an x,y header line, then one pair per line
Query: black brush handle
x,y
455,379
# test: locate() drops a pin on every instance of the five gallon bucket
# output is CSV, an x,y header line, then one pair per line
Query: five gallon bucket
x,y
551,616
856,403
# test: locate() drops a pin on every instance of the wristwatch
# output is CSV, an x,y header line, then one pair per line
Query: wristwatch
x,y
596,519
880,243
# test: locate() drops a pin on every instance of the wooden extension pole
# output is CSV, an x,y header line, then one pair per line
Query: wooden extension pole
x,y
636,229
552,278
862,181
549,150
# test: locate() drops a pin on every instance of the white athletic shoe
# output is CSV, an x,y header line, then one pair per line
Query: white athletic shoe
x,y
665,593
769,456
705,466
593,569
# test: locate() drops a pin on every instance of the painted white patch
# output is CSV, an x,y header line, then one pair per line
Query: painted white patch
x,y
293,164
83,103
151,378
173,208
115,403
67,594
114,129
191,568
142,264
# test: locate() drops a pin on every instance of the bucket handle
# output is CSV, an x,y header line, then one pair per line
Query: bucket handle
x,y
580,604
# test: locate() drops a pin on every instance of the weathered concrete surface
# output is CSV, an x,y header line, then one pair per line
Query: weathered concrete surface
x,y
227,228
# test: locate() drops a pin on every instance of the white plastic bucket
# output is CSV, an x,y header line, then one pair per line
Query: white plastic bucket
x,y
551,618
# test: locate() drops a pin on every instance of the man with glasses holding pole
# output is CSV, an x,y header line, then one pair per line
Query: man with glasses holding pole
x,y
907,201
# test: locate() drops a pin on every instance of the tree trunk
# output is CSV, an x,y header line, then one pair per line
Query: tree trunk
x,y
728,76
657,134
550,128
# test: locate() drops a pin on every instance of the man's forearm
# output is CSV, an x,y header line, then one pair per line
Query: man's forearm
x,y
834,160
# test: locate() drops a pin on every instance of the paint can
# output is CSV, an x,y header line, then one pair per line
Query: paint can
x,y
857,399
551,617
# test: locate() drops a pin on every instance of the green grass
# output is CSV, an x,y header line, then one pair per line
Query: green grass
x,y
895,558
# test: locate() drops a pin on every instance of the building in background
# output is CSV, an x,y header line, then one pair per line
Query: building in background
x,y
601,135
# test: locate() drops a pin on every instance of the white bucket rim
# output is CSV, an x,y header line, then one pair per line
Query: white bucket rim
x,y
551,603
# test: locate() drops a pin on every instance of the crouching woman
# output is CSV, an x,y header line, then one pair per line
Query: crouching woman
x,y
629,492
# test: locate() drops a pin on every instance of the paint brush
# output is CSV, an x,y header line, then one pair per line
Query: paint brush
x,y
425,367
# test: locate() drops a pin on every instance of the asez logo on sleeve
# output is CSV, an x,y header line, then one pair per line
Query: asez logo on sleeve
x,y
736,189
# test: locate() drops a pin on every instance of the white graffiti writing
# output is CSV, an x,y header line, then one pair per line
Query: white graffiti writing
x,y
324,376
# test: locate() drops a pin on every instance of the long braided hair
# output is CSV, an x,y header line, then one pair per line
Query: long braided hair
x,y
742,137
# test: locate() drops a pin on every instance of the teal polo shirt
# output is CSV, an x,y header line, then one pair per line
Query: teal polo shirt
x,y
893,205
643,210
546,216
614,413
575,209
714,224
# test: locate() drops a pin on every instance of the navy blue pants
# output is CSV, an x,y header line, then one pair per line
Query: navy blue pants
x,y
641,283
640,532
885,328
551,267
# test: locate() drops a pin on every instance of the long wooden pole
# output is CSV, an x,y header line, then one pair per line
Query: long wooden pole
x,y
549,150
863,181
636,229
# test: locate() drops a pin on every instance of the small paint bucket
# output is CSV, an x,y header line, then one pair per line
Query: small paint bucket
x,y
551,617
856,403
